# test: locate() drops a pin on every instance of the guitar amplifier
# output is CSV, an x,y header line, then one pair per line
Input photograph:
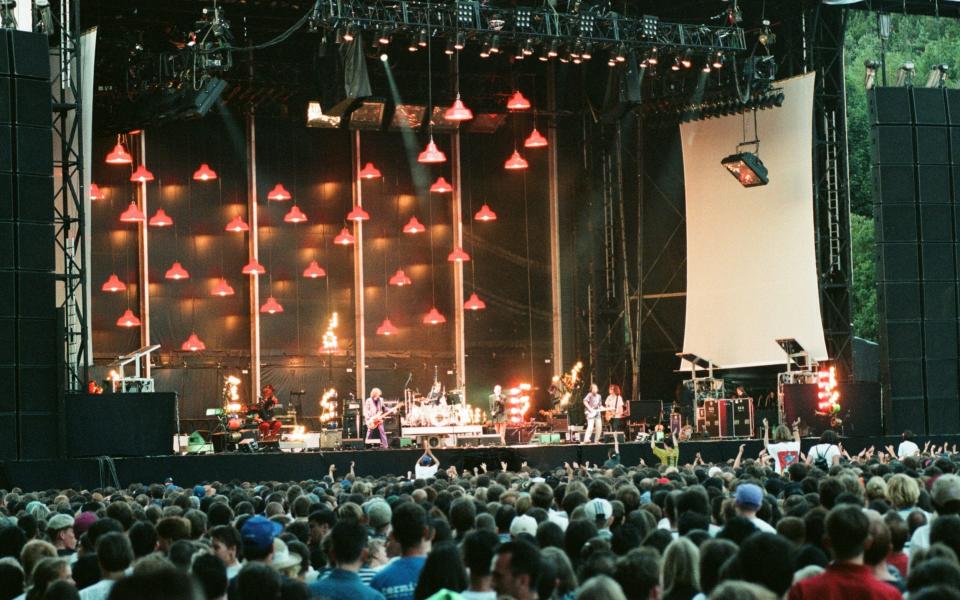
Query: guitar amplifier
x,y
741,417
519,435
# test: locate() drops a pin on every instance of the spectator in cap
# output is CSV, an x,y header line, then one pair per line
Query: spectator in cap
x,y
945,496
600,512
257,534
378,517
348,540
749,498
61,535
82,523
428,464
523,524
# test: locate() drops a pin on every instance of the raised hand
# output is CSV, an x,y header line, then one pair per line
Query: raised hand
x,y
742,448
483,466
523,465
766,423
503,465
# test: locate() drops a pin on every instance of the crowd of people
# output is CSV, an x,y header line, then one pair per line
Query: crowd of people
x,y
814,523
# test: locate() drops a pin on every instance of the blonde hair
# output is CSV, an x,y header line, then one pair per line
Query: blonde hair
x,y
876,488
903,491
782,434
600,587
681,566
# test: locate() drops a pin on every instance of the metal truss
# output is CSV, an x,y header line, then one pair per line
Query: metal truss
x,y
519,24
69,211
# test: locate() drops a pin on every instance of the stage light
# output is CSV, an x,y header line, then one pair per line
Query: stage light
x,y
485,51
495,45
358,214
271,306
279,193
423,38
905,74
458,111
515,162
176,272
434,317
119,155
431,155
313,270
518,102
747,168
553,49
686,59
384,57
718,60
412,46
399,279
344,238
193,344
204,173
253,268
133,214
222,289
387,328
385,37
441,186
587,53
369,172
461,41
414,226
527,48
141,175
348,34
653,57
330,338
94,192
543,56
295,215
535,140
485,214
160,219
128,319
938,76
676,64
870,73
706,67
449,49
458,255
237,224
113,284
474,303
620,54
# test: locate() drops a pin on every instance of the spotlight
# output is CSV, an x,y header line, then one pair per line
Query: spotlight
x,y
685,60
412,46
652,58
461,41
565,57
621,53
495,45
587,53
766,37
552,51
612,61
449,50
747,168
384,57
485,51
384,38
676,64
422,38
527,49
718,60
870,74
706,67
348,34
905,74
938,76
544,55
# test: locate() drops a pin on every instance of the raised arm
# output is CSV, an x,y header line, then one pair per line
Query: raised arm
x,y
766,434
796,430
736,462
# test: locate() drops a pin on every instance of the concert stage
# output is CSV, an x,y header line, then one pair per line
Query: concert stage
x,y
189,470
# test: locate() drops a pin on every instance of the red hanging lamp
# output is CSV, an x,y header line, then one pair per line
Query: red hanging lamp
x,y
399,279
128,319
160,219
141,175
314,270
518,102
177,272
358,214
515,162
222,289
535,140
485,214
204,173
441,186
431,155
133,214
253,268
119,155
474,303
458,111
458,255
369,172
113,284
94,191
433,317
193,344
237,224
271,306
344,238
414,226
387,328
279,193
295,215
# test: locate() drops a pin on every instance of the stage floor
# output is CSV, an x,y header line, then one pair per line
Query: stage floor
x,y
189,470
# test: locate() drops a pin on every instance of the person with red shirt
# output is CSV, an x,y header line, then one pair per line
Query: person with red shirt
x,y
847,577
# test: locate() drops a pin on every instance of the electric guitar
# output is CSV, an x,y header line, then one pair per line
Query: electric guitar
x,y
376,420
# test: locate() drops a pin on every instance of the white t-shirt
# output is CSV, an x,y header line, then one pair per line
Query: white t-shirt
x,y
920,539
784,454
422,472
762,525
827,451
907,448
98,591
491,595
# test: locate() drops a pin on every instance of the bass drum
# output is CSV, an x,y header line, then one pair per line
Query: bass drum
x,y
440,416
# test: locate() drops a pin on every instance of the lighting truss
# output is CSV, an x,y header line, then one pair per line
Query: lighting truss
x,y
542,25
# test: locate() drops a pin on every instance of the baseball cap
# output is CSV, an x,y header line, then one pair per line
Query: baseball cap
x,y
598,509
59,521
282,557
749,494
83,522
378,513
714,471
523,524
260,531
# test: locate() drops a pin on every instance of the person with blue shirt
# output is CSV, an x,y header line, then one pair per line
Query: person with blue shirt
x,y
348,541
398,579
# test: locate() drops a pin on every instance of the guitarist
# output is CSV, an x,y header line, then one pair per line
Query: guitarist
x,y
593,410
373,411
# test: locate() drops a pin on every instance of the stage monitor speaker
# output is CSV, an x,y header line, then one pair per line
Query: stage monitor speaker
x,y
330,438
899,262
936,222
37,294
906,413
519,435
939,339
35,246
8,296
893,144
934,184
939,300
904,339
945,413
39,435
8,351
932,146
900,300
37,389
489,439
906,378
34,150
34,198
889,105
121,424
895,183
860,409
929,107
219,441
937,260
940,377
8,436
898,223
37,342
33,102
29,55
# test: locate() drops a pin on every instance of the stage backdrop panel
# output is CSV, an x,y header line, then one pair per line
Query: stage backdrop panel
x,y
751,262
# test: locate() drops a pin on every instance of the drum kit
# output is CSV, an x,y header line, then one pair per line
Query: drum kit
x,y
439,410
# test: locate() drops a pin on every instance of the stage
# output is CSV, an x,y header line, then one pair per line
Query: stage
x,y
189,470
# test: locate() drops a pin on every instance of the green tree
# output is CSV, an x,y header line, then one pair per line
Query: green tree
x,y
863,298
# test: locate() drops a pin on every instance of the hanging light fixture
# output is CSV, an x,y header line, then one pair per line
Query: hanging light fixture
x,y
414,226
358,214
279,193
518,102
204,173
222,289
441,186
295,215
94,192
344,238
400,279
387,328
515,162
237,224
535,140
113,284
485,214
160,219
370,172
458,255
458,111
128,319
133,214
141,175
119,155
193,344
314,270
253,268
177,272
271,306
434,317
431,155
474,303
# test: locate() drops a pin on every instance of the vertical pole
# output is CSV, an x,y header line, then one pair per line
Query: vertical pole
x,y
253,249
553,193
459,341
360,345
144,260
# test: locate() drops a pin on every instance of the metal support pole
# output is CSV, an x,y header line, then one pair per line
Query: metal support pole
x,y
143,247
459,341
556,310
360,345
253,249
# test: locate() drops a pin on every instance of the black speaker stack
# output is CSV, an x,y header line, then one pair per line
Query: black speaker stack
x,y
29,373
916,157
